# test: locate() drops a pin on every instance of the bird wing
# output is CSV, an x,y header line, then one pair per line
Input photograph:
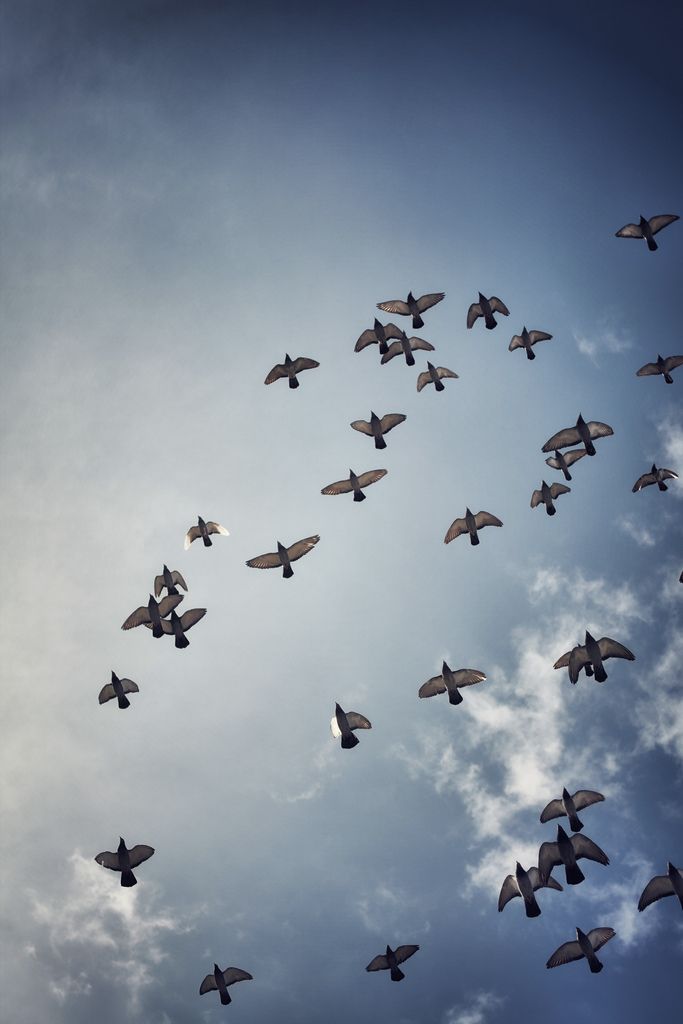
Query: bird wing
x,y
571,457
508,892
537,882
371,477
170,602
468,677
555,809
139,617
597,429
302,547
536,498
338,487
190,618
557,489
667,474
516,343
443,371
585,847
629,231
108,860
395,349
585,797
423,380
208,985
643,481
178,578
577,659
165,626
548,858
391,420
403,952
363,426
671,362
233,974
357,721
473,314
367,338
271,560
656,889
648,370
562,663
158,585
379,963
599,936
662,220
498,307
395,306
429,300
106,693
486,519
129,686
565,953
192,534
303,363
457,527
275,374
217,528
420,344
536,336
612,649
562,439
139,854
432,687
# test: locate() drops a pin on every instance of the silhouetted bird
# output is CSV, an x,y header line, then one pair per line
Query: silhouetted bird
x,y
486,308
203,530
662,366
178,627
525,883
221,979
406,346
595,652
655,476
355,483
563,662
563,460
152,613
647,228
451,681
378,335
434,375
344,722
470,524
569,805
290,368
585,945
412,307
567,850
547,495
377,427
124,860
390,960
283,556
670,884
526,339
118,688
169,580
583,433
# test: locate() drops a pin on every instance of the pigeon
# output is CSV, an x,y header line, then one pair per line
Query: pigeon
x,y
290,368
525,883
203,530
406,346
412,307
434,375
283,556
567,850
451,681
355,483
563,460
670,884
124,860
152,613
546,496
647,228
378,335
526,339
221,979
662,366
344,722
178,627
655,476
584,433
377,427
390,960
169,580
594,653
118,688
563,662
569,805
470,524
585,945
486,308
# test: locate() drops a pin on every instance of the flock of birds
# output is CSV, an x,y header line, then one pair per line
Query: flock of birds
x,y
159,615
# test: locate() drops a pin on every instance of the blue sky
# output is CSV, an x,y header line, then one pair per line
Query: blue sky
x,y
189,192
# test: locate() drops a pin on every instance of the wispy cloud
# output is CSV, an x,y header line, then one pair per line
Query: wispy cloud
x,y
670,430
642,535
476,1010
606,338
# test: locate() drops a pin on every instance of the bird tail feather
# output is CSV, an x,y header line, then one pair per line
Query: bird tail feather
x,y
287,572
575,823
530,354
182,641
652,245
595,965
349,741
418,322
225,997
293,382
380,442
397,974
359,496
600,674
574,874
123,702
532,908
551,510
474,539
128,878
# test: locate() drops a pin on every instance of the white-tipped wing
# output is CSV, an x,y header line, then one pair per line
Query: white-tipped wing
x,y
562,439
557,489
457,527
217,528
303,363
363,426
537,882
629,231
536,498
432,687
429,300
567,952
338,487
395,306
667,474
170,602
279,370
585,797
508,892
662,220
599,936
395,349
302,547
597,429
420,344
357,721
468,677
233,974
536,336
391,420
371,477
140,617
379,963
555,809
208,985
656,889
486,519
613,649
108,860
473,314
139,854
190,618
585,847
498,306
403,952
271,560
192,534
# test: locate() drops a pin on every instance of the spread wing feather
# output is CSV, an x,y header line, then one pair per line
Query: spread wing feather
x,y
555,809
585,797
140,617
208,985
508,892
498,306
395,306
302,547
486,519
276,373
233,974
338,487
190,618
567,952
432,687
562,439
379,963
629,231
585,847
271,560
473,314
363,426
613,649
662,220
371,477
139,854
599,936
357,721
656,889
429,300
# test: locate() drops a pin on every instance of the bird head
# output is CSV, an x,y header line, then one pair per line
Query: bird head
x,y
114,677
482,298
565,793
122,844
643,221
467,512
388,951
430,366
411,298
561,834
377,325
589,639
374,418
280,548
581,421
580,935
200,521
444,668
519,870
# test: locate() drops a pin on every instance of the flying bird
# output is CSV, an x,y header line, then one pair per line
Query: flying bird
x,y
486,308
178,627
124,860
563,460
583,433
434,375
343,724
451,681
670,884
203,530
377,427
547,495
406,346
284,556
570,805
563,662
470,524
355,483
647,228
118,688
221,979
593,654
152,614
169,580
412,307
567,850
390,960
662,366
655,476
585,945
525,883
290,368
378,335
526,339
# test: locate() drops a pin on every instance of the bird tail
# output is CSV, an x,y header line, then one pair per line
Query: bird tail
x,y
474,539
590,448
662,486
128,878
358,496
490,322
454,696
349,741
225,997
287,572
182,641
207,542
575,823
652,245
588,669
380,442
574,874
123,702
600,674
595,965
567,474
157,631
551,510
293,382
530,354
668,378
439,386
383,348
397,974
532,908
410,359
418,322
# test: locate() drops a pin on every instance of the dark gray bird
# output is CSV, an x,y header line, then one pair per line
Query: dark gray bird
x,y
169,580
355,483
290,368
378,335
284,556
221,979
470,524
583,433
563,662
670,884
585,945
118,688
434,375
647,228
412,307
567,850
451,681
525,883
547,495
594,653
406,346
486,308
655,476
343,724
563,460
124,860
662,366
203,530
526,339
178,627
570,805
152,614
377,427
390,960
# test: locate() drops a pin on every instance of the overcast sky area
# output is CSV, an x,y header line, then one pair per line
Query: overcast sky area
x,y
190,190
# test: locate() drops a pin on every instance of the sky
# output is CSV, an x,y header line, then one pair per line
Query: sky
x,y
188,192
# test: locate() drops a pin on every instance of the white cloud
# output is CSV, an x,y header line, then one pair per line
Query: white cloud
x,y
388,908
605,338
659,715
476,1011
643,536
614,904
671,434
320,771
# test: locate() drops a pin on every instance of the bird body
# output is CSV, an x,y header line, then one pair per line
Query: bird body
x,y
412,306
355,483
584,433
662,366
284,556
204,530
178,626
670,884
525,883
584,946
406,346
546,495
451,681
570,805
219,980
567,851
434,375
563,460
124,860
378,335
343,724
390,960
290,368
377,427
169,580
594,653
152,614
486,308
118,688
655,476
470,524
647,229
526,339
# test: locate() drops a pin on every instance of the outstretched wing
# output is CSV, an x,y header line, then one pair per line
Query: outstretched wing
x,y
190,618
629,231
599,936
562,439
233,974
656,889
662,220
562,663
671,362
178,578
613,649
423,380
585,797
548,858
338,487
278,371
516,343
557,489
192,534
106,693
371,477
129,686
508,892
170,602
498,306
159,585
536,336
457,527
585,847
139,617
555,809
486,519
391,420
368,337
537,882
379,963
357,721
432,687
443,371
108,860
571,457
302,547
271,560
403,952
395,306
420,344
468,677
667,474
597,429
643,481
536,498
431,299
363,426
395,349
567,952
473,314
303,363
208,985
648,370
217,528
139,854
577,659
